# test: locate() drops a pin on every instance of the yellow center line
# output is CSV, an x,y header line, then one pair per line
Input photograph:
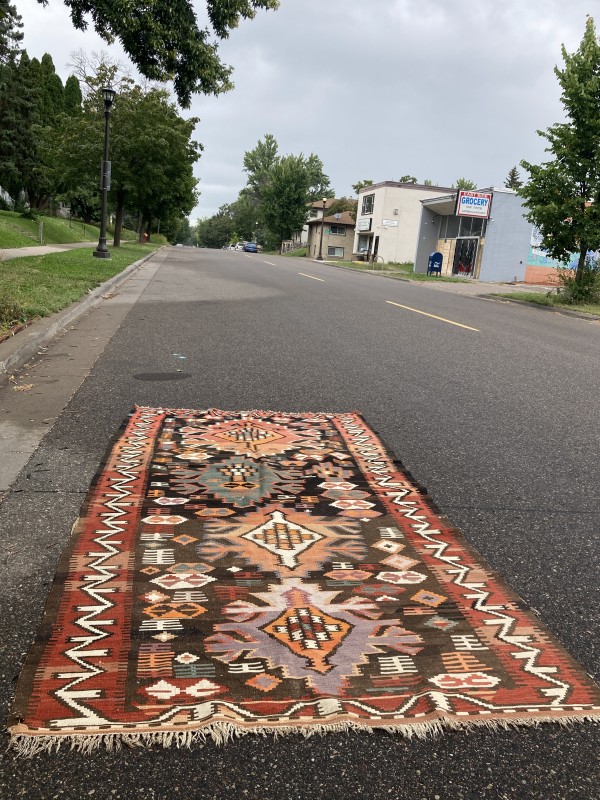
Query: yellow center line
x,y
433,316
270,263
311,276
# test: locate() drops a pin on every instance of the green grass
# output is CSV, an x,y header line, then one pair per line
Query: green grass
x,y
396,270
16,231
299,253
35,286
552,300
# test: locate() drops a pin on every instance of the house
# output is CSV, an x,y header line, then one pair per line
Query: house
x,y
388,217
331,237
315,211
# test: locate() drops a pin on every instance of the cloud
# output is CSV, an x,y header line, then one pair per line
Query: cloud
x,y
440,89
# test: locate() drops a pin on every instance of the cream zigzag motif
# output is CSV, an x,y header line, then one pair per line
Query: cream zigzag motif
x,y
379,463
528,653
130,458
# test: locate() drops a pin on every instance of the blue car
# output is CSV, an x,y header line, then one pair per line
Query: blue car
x,y
250,247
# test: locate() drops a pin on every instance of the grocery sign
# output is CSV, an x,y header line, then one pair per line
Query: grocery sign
x,y
473,204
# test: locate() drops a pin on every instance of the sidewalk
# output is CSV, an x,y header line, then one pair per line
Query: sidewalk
x,y
469,287
41,250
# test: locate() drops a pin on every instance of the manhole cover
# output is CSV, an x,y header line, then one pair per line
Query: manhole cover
x,y
162,376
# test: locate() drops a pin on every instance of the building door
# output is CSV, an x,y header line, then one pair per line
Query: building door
x,y
465,254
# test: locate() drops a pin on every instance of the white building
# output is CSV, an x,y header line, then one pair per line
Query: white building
x,y
388,220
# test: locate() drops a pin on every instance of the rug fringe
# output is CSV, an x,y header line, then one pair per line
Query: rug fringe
x,y
222,733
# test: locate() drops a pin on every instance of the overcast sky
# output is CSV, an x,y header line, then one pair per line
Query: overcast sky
x,y
438,89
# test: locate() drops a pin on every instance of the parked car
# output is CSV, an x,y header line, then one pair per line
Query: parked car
x,y
240,245
250,247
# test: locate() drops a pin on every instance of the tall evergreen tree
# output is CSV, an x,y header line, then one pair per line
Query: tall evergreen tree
x,y
563,194
19,112
73,97
513,179
52,91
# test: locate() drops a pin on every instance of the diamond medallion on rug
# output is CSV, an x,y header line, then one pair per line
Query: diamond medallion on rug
x,y
238,572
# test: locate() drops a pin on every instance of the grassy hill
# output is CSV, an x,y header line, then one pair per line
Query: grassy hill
x,y
16,231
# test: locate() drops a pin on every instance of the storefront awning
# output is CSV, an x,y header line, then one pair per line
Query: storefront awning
x,y
443,206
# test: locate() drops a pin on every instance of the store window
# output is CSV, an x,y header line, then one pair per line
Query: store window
x,y
368,203
337,230
471,226
452,228
337,252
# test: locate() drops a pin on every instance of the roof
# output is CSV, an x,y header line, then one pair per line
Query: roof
x,y
319,203
420,186
345,218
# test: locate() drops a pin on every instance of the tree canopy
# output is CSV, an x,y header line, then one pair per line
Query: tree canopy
x,y
274,203
563,193
361,185
465,184
11,34
165,40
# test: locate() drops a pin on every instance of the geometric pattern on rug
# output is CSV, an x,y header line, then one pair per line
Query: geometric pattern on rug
x,y
237,572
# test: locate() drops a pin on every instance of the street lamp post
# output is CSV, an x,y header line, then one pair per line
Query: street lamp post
x,y
101,250
320,256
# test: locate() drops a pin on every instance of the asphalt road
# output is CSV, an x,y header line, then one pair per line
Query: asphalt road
x,y
492,406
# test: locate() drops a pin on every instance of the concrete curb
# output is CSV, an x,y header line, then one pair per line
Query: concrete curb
x,y
566,311
30,339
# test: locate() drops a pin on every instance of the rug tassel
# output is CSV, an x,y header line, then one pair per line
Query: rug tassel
x,y
222,733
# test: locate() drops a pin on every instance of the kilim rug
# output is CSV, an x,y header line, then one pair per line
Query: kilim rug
x,y
272,573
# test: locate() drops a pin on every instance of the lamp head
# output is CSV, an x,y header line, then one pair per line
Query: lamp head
x,y
108,93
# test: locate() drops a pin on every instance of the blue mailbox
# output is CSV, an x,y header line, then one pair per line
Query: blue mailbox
x,y
434,265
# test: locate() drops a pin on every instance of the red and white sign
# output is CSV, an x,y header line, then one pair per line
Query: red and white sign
x,y
474,204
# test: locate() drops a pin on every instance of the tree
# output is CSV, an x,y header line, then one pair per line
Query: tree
x,y
466,185
563,194
11,34
342,204
163,38
513,179
267,202
259,162
52,91
19,112
427,182
407,179
318,183
152,150
72,97
218,230
361,185
285,197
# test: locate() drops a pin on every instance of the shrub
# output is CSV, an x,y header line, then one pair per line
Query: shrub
x,y
587,290
158,238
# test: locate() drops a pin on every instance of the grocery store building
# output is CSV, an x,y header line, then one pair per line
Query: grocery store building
x,y
481,234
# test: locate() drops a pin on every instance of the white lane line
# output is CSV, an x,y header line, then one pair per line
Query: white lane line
x,y
433,316
311,276
270,263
